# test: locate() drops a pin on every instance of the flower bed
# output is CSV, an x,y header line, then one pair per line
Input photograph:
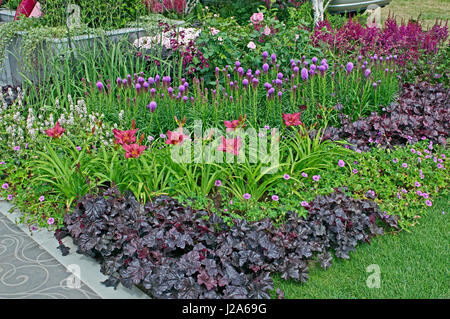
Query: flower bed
x,y
199,180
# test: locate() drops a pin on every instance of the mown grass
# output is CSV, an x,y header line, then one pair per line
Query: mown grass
x,y
429,10
412,264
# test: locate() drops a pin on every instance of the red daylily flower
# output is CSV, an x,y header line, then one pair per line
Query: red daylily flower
x,y
233,125
231,145
133,150
56,131
175,137
292,119
124,137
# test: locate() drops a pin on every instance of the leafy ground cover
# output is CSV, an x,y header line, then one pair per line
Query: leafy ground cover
x,y
412,264
175,252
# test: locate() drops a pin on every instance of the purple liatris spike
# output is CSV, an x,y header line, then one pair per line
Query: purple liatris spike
x,y
304,74
349,67
152,106
100,86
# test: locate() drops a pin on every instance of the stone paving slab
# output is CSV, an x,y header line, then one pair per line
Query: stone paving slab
x,y
31,266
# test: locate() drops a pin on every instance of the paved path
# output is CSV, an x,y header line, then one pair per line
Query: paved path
x,y
32,267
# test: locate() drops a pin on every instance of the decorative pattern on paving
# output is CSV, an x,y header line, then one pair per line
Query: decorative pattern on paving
x,y
27,271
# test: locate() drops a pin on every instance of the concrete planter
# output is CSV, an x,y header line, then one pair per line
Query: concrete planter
x,y
6,15
13,64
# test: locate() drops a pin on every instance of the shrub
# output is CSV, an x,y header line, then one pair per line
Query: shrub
x,y
421,111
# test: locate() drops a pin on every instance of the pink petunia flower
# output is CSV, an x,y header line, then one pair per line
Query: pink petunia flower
x,y
275,198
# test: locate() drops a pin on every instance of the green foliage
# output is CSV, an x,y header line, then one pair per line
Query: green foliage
x,y
95,14
231,42
11,4
381,171
434,70
240,10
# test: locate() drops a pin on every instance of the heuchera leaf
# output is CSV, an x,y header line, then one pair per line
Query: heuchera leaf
x,y
172,251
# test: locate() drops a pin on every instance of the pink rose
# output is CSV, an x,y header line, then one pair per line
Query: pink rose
x,y
257,17
251,45
266,31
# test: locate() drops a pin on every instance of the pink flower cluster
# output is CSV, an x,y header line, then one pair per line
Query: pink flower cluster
x,y
407,41
158,6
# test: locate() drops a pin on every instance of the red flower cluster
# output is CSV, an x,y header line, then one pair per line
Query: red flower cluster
x,y
133,150
128,141
56,131
124,137
235,124
176,137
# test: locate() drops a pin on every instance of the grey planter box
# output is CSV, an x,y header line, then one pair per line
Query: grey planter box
x,y
13,64
6,15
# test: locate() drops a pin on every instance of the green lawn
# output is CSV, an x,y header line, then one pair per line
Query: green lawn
x,y
430,10
412,265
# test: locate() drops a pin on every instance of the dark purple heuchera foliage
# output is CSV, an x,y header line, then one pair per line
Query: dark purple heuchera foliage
x,y
407,41
421,110
172,251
